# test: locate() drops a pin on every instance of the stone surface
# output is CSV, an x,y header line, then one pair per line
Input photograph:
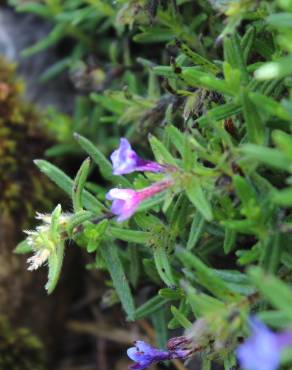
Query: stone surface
x,y
19,31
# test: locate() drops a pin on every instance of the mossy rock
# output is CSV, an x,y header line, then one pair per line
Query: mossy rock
x,y
22,139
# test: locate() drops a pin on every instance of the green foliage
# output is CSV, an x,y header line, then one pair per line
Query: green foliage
x,y
217,115
111,256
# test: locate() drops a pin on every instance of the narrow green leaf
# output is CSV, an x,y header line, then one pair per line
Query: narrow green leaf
x,y
34,8
164,270
184,309
273,289
254,125
236,281
283,197
269,156
65,183
264,47
188,157
202,304
196,78
206,363
94,233
53,37
132,236
230,361
197,58
116,270
176,137
134,271
271,253
196,195
280,20
159,323
286,259
243,189
196,231
284,142
233,54
153,35
77,219
23,248
247,42
229,240
153,86
151,271
147,221
177,214
185,323
55,69
206,275
171,294
55,262
269,105
55,222
152,305
111,103
79,184
250,256
275,319
160,152
241,226
164,71
221,112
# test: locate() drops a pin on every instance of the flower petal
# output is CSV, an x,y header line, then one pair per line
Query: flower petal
x,y
124,159
117,193
260,351
132,354
143,346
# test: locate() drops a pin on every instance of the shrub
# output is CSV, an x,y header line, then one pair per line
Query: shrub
x,y
206,87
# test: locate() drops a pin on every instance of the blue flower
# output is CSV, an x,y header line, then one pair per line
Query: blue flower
x,y
126,160
143,354
262,350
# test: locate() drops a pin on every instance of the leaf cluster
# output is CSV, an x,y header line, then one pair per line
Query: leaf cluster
x,y
219,109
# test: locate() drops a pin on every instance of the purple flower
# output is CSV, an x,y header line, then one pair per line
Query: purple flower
x,y
143,354
262,350
126,201
125,160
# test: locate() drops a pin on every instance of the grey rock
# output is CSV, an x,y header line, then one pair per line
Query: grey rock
x,y
19,31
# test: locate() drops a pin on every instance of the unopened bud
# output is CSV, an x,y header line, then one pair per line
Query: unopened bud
x,y
198,335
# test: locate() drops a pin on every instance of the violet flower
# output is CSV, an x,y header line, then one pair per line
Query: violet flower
x,y
126,201
262,350
126,160
144,355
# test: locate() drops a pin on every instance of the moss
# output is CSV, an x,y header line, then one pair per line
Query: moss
x,y
22,139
